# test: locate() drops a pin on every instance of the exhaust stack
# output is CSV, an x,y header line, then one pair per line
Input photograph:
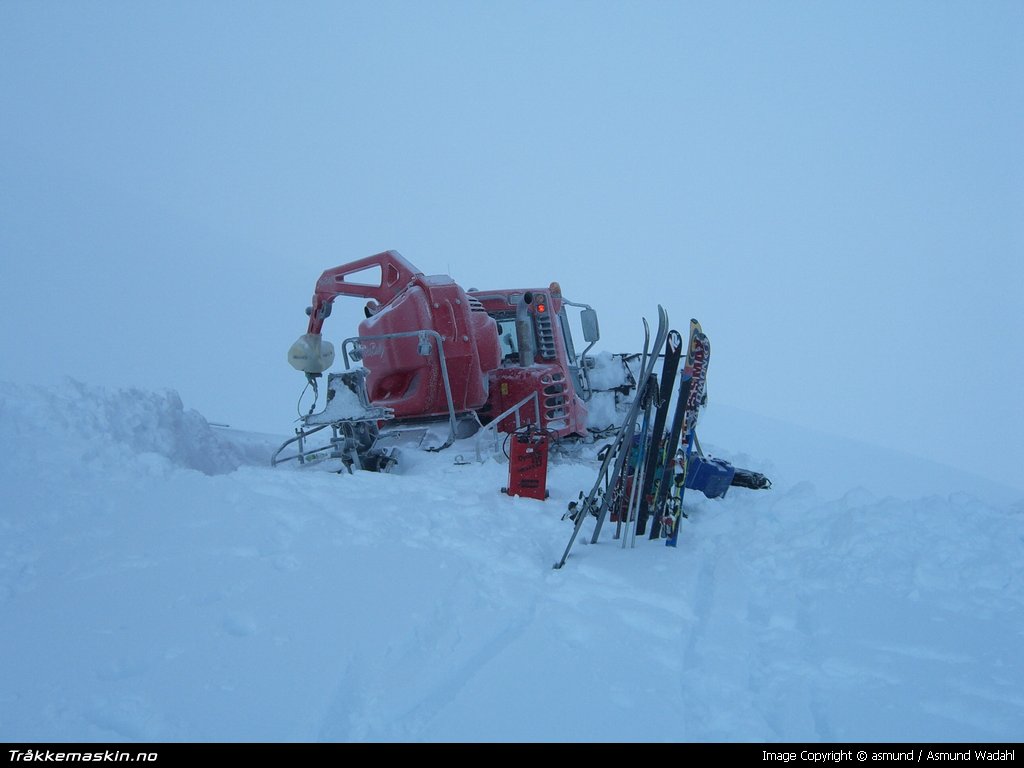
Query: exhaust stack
x,y
524,330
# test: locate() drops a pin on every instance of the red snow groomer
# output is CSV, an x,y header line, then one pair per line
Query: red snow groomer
x,y
438,363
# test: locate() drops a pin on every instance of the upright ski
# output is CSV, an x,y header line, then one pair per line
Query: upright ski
x,y
664,488
673,352
697,358
639,463
668,455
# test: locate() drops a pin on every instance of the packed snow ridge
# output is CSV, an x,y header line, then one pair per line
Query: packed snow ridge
x,y
121,424
159,581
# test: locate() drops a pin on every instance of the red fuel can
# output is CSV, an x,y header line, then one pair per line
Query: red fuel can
x,y
528,464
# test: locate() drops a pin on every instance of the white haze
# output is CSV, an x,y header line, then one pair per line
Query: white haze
x,y
834,190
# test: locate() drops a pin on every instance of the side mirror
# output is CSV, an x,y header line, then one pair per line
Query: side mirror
x,y
588,319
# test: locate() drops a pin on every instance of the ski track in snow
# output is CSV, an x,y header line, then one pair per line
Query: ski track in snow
x,y
158,581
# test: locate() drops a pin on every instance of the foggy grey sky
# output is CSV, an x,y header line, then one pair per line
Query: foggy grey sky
x,y
835,190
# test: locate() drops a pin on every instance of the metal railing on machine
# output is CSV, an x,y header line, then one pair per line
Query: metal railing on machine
x,y
514,410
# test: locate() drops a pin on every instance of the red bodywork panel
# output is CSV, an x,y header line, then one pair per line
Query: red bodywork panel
x,y
561,409
400,377
511,384
411,383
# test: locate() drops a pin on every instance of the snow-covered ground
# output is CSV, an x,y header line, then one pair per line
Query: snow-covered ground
x,y
158,581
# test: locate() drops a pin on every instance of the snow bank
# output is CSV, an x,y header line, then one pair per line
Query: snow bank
x,y
92,423
141,599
